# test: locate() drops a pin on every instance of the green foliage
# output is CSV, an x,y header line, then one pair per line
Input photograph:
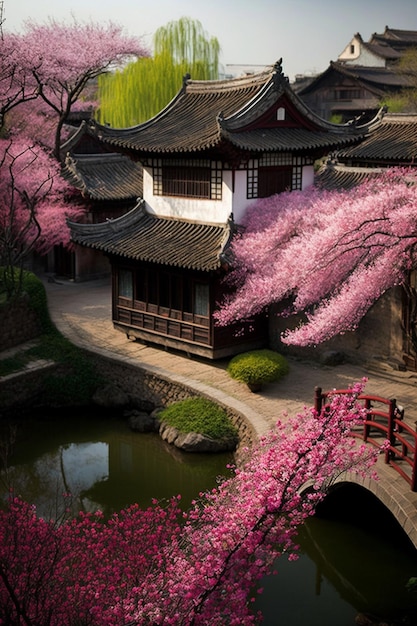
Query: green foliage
x,y
143,88
199,415
336,118
397,103
258,367
411,585
14,282
79,382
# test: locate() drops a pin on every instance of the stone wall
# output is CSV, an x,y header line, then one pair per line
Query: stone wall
x,y
379,335
18,323
162,391
25,388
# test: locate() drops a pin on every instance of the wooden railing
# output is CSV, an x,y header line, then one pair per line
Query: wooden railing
x,y
384,422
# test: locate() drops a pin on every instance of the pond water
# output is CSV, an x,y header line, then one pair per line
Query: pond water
x,y
103,465
346,566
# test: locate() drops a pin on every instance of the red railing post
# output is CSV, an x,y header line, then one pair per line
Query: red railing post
x,y
391,426
318,399
414,473
366,427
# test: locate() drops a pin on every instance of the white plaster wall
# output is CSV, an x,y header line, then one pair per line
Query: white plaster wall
x,y
367,59
240,201
307,176
210,211
360,56
347,55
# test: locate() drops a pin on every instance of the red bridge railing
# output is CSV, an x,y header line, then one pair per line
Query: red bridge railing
x,y
384,422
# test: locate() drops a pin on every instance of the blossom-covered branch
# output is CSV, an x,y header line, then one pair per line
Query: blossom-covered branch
x,y
151,567
332,253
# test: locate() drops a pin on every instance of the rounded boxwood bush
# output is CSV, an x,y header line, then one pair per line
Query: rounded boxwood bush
x,y
258,367
199,415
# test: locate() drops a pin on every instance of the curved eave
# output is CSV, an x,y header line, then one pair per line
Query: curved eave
x,y
140,236
289,140
190,122
337,177
104,176
269,96
393,140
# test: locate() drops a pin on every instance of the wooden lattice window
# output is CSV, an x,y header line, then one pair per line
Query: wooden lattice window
x,y
269,175
188,178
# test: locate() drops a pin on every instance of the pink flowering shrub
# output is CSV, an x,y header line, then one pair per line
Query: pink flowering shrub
x,y
332,253
151,567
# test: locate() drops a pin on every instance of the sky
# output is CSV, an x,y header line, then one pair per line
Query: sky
x,y
306,34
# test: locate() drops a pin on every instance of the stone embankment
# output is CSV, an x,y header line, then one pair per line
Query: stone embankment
x,y
132,387
160,391
18,323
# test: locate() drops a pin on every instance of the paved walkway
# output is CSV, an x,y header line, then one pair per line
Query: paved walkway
x,y
82,312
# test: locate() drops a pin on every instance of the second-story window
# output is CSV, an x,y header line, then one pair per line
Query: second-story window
x,y
272,173
188,179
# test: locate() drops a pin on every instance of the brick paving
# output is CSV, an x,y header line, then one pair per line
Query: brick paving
x,y
82,312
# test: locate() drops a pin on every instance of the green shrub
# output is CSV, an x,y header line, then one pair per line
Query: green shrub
x,y
27,282
199,415
258,367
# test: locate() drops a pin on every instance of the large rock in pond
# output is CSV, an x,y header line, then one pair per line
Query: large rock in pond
x,y
195,442
111,397
141,421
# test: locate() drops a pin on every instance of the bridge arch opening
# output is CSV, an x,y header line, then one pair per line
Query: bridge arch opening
x,y
356,505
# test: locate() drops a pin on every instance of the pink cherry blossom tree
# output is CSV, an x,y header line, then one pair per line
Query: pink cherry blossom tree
x,y
64,59
34,207
16,86
44,73
331,253
149,567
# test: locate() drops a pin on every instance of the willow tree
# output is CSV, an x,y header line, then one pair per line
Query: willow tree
x,y
144,87
405,101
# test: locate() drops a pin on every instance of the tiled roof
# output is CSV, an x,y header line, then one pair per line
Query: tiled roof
x,y
394,139
382,50
210,114
393,36
376,79
104,176
289,139
334,176
379,77
139,235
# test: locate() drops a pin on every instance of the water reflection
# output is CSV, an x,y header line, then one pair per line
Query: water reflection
x,y
103,464
344,569
354,562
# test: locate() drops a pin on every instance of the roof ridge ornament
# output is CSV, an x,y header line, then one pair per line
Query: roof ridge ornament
x,y
278,75
185,80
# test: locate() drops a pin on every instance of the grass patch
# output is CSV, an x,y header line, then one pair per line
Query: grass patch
x,y
13,364
77,379
199,415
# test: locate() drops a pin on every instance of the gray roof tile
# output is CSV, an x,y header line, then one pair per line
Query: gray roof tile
x,y
139,235
105,176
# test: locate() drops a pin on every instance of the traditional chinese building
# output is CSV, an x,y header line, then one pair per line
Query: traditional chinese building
x,y
364,74
108,184
216,147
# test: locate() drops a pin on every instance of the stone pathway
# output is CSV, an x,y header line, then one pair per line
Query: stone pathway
x,y
82,312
